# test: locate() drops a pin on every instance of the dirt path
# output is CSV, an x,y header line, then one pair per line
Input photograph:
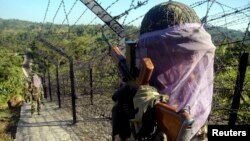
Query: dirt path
x,y
45,127
55,124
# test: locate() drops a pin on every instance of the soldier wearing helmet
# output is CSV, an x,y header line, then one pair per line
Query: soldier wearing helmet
x,y
27,90
37,94
182,52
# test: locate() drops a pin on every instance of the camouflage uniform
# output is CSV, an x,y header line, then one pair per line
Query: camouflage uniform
x,y
27,91
37,98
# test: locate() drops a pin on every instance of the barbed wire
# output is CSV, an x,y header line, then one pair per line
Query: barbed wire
x,y
137,18
80,17
228,10
46,11
198,3
66,15
94,17
204,19
219,60
126,12
53,20
113,3
228,14
70,11
230,7
236,20
246,34
131,5
105,70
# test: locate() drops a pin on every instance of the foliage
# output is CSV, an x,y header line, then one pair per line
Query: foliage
x,y
85,44
226,71
11,76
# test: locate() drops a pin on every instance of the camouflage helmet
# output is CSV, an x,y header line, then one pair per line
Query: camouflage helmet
x,y
167,14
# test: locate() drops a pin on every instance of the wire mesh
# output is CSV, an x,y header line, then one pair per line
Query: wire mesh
x,y
96,75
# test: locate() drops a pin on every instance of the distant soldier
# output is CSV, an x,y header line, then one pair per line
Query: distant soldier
x,y
27,91
37,94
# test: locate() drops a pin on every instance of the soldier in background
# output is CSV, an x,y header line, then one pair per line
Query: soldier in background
x,y
27,91
37,94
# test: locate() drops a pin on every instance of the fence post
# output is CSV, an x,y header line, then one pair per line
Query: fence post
x,y
44,84
64,85
91,85
73,95
50,95
71,72
238,88
58,85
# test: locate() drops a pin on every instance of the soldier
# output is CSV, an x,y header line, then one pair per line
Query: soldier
x,y
27,91
37,94
182,52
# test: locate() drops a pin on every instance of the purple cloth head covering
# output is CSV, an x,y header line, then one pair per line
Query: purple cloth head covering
x,y
183,57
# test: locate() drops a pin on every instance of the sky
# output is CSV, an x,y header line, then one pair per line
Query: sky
x,y
34,10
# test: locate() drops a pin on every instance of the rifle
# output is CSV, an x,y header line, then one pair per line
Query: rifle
x,y
126,64
130,74
176,125
145,72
